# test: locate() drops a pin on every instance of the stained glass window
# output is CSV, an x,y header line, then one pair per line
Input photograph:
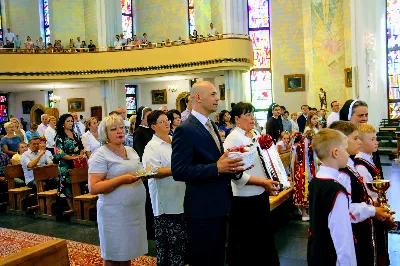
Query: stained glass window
x,y
131,99
1,26
393,58
3,107
192,25
260,77
46,20
49,97
127,18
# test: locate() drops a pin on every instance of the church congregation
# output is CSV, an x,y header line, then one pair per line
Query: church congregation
x,y
201,133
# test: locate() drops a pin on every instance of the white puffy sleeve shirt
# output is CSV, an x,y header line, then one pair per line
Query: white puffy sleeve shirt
x,y
367,177
358,211
237,137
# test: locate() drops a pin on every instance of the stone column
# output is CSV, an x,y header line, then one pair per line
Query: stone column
x,y
234,20
369,56
109,21
113,94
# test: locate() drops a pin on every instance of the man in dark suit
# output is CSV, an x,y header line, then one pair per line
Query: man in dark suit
x,y
301,121
199,161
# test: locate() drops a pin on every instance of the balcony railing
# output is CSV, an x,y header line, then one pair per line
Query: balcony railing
x,y
130,47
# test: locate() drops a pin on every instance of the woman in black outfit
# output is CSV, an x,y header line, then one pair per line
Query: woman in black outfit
x,y
143,134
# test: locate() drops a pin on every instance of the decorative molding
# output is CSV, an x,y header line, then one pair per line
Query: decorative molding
x,y
129,70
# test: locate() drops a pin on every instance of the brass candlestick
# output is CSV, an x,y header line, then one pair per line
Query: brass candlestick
x,y
380,187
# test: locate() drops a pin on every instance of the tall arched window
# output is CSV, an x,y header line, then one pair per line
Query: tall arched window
x,y
127,18
1,25
192,25
46,21
393,58
260,76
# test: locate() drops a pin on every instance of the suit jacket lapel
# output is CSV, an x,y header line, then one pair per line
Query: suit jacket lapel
x,y
205,132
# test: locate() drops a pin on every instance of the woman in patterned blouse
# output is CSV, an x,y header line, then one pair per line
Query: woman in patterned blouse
x,y
68,148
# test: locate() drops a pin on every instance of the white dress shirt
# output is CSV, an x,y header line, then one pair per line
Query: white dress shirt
x,y
367,177
81,128
201,118
166,194
237,137
295,126
359,211
9,36
41,129
29,156
333,116
50,134
339,223
212,31
90,143
118,44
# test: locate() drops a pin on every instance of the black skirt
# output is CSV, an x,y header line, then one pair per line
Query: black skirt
x,y
250,225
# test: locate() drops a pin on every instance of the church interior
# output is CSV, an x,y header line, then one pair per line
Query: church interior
x,y
96,58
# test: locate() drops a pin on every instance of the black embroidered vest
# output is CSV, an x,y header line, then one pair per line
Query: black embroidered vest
x,y
322,197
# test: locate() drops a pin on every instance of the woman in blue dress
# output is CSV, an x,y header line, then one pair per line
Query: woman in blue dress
x,y
68,148
225,122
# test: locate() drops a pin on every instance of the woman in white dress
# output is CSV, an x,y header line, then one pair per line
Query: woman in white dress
x,y
90,139
122,196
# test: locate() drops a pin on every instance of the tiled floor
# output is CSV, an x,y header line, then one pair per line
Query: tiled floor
x,y
290,239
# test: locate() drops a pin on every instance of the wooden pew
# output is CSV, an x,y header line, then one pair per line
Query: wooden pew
x,y
15,195
45,198
50,253
82,203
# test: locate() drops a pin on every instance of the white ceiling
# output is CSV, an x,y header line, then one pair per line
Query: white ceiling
x,y
37,86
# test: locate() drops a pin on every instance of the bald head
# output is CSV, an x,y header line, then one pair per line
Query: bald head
x,y
204,97
122,112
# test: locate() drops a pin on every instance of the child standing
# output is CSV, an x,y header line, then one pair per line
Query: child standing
x,y
312,122
331,237
368,170
361,206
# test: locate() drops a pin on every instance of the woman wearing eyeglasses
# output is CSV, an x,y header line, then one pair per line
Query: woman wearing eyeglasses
x,y
249,218
166,194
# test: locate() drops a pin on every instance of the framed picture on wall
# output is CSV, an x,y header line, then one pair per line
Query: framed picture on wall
x,y
76,104
27,106
295,82
348,77
159,96
222,92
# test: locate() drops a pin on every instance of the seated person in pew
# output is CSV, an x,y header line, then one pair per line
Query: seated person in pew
x,y
35,156
16,159
4,161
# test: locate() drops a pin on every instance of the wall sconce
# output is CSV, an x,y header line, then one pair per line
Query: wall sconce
x,y
172,88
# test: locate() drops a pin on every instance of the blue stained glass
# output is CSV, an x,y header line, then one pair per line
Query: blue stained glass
x,y
46,19
130,89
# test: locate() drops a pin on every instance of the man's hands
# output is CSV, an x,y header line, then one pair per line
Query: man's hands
x,y
231,166
381,214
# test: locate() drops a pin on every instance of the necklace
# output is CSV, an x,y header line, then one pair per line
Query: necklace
x,y
167,140
120,153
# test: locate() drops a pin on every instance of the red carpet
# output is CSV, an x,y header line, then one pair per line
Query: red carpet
x,y
12,241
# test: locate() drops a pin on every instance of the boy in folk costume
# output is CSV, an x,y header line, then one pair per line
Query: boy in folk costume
x,y
369,172
304,168
330,239
361,206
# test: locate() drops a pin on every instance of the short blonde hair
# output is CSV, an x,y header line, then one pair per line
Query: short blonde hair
x,y
107,123
365,128
52,117
325,140
8,124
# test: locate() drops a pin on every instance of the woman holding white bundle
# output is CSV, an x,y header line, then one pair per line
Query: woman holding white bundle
x,y
249,218
122,196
